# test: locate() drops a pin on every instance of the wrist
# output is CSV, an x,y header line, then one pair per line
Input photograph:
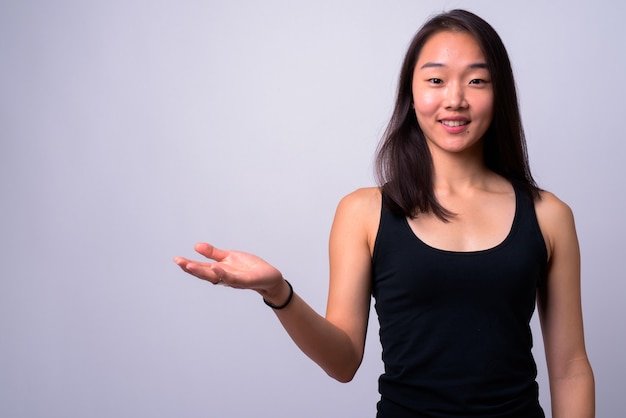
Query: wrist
x,y
280,297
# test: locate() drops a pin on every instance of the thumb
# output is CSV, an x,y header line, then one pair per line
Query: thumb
x,y
209,251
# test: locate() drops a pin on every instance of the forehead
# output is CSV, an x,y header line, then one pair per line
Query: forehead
x,y
450,48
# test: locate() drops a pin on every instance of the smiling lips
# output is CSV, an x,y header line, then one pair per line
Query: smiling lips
x,y
454,123
454,126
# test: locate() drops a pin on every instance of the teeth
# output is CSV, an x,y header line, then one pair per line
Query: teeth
x,y
454,123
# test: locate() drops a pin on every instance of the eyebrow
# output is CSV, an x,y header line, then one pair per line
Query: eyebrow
x,y
439,65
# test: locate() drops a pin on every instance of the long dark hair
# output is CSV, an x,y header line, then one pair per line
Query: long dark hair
x,y
403,163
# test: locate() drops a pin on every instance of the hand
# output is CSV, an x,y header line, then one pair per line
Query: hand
x,y
234,269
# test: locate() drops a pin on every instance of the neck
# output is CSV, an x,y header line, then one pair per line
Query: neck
x,y
459,172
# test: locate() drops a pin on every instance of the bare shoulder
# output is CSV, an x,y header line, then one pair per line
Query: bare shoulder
x,y
552,208
363,200
362,204
360,210
555,218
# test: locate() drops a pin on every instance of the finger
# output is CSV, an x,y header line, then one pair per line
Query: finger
x,y
210,251
224,277
181,261
207,271
215,274
204,271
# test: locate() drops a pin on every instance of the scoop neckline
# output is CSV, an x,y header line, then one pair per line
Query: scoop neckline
x,y
496,247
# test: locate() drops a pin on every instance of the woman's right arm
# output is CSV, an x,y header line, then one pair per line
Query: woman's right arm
x,y
335,342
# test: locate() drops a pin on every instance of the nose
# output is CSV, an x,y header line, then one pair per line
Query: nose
x,y
455,97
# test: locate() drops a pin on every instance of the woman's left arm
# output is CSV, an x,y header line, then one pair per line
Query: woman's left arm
x,y
572,387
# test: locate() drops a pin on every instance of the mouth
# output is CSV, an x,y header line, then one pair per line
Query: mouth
x,y
454,123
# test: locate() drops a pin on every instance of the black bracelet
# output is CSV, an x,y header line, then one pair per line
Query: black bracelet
x,y
284,305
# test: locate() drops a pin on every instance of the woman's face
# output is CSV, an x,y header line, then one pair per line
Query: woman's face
x,y
452,93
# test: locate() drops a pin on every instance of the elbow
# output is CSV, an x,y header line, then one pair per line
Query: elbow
x,y
342,361
344,377
345,373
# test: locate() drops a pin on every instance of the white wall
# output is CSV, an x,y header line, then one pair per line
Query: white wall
x,y
131,129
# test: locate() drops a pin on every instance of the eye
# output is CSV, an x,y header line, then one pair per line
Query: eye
x,y
435,81
478,81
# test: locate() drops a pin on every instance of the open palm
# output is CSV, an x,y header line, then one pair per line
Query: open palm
x,y
232,268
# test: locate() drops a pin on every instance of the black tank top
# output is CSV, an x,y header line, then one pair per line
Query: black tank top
x,y
454,326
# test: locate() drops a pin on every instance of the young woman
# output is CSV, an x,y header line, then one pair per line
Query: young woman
x,y
456,245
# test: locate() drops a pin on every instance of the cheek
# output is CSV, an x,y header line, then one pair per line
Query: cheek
x,y
483,117
425,104
485,106
487,113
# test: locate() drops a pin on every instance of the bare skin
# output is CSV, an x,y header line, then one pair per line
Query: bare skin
x,y
453,96
335,342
